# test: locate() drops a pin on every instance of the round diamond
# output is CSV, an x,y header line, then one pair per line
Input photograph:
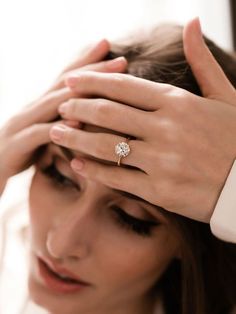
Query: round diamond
x,y
122,149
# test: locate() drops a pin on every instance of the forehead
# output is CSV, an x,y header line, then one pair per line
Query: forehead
x,y
156,211
70,154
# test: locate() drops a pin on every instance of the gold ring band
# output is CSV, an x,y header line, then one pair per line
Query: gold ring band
x,y
122,149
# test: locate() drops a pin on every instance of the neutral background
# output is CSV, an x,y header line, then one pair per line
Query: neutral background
x,y
38,38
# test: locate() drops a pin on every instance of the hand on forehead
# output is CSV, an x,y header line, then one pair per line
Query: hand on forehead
x,y
71,153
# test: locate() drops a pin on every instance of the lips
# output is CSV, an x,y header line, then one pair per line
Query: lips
x,y
59,279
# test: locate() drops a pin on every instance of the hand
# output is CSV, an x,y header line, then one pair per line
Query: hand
x,y
29,129
184,155
26,131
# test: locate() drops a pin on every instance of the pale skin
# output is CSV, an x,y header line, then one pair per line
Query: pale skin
x,y
188,148
120,264
29,129
93,243
175,163
96,244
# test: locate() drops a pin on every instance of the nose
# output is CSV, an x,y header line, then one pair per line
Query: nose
x,y
69,238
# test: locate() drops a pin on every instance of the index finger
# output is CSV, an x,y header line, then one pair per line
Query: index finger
x,y
123,88
91,54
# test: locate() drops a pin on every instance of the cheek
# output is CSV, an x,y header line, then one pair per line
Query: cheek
x,y
40,208
136,263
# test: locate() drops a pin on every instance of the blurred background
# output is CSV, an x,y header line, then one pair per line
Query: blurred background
x,y
38,38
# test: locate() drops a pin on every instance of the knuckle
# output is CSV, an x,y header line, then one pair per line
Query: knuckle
x,y
69,138
101,110
167,130
164,124
34,129
182,100
71,106
117,82
85,78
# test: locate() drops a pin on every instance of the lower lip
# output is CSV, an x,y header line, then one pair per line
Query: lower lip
x,y
56,284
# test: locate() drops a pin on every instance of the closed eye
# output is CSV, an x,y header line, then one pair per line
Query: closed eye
x,y
58,178
139,226
122,218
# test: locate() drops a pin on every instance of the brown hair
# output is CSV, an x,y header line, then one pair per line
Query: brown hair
x,y
204,281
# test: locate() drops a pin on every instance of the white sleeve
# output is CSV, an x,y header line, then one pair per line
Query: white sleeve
x,y
223,220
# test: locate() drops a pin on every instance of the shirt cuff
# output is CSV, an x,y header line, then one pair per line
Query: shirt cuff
x,y
223,220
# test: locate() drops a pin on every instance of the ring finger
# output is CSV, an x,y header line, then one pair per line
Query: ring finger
x,y
99,145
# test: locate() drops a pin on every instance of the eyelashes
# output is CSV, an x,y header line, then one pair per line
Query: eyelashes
x,y
130,223
58,179
141,227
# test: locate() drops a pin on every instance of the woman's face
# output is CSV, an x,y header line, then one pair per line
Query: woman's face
x,y
117,244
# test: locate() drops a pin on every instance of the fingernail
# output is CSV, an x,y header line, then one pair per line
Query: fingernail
x,y
63,108
116,63
57,132
77,164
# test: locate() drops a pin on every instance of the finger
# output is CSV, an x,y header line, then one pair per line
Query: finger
x,y
46,109
91,54
116,65
119,178
32,137
107,114
123,88
208,73
99,145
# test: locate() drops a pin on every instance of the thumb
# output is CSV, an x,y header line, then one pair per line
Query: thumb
x,y
208,73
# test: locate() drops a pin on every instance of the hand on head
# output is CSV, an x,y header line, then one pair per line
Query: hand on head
x,y
184,143
25,132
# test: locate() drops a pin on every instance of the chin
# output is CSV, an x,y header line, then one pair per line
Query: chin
x,y
47,301
54,303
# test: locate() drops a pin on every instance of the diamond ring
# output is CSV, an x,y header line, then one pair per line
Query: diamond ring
x,y
122,150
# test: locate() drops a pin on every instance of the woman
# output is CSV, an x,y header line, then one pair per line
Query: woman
x,y
127,252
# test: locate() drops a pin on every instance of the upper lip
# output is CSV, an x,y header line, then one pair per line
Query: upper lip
x,y
61,270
